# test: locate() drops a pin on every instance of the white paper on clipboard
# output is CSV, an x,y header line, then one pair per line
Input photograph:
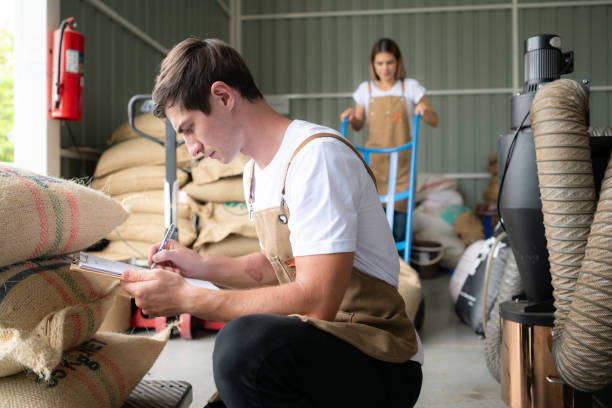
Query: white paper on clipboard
x,y
114,269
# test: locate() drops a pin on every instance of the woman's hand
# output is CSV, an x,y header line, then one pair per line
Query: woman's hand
x,y
176,258
348,113
428,114
356,117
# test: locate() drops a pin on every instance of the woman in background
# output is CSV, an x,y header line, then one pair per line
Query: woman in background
x,y
390,101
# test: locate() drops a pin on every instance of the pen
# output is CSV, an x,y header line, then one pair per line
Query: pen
x,y
169,233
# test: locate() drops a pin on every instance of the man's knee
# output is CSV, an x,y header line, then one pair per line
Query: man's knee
x,y
239,346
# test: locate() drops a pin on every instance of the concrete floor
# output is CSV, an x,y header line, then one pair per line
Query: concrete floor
x,y
454,375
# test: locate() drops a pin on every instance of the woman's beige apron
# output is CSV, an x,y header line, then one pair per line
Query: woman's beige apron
x,y
372,315
389,126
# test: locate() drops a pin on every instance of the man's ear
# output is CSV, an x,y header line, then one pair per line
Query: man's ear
x,y
223,93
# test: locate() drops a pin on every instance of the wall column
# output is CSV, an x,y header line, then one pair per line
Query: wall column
x,y
37,137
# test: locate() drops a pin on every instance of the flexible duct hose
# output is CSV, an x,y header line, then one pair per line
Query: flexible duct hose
x,y
579,243
485,288
511,286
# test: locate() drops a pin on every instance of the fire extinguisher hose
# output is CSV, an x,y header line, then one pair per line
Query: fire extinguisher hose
x,y
58,62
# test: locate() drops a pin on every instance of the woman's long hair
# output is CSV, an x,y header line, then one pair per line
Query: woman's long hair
x,y
387,45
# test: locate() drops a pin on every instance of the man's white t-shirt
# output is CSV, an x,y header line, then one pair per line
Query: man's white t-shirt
x,y
413,92
332,201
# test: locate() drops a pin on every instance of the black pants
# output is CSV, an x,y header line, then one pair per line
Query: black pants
x,y
269,361
399,226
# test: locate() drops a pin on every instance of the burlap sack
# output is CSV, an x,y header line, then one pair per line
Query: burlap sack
x,y
209,170
409,288
468,227
491,166
119,315
152,202
150,228
45,309
232,246
428,182
44,216
99,373
218,220
146,123
125,250
221,191
136,179
489,195
137,152
112,256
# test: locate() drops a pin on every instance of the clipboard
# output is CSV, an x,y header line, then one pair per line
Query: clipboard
x,y
87,263
84,262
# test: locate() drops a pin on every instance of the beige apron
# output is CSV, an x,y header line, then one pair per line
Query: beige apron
x,y
372,314
389,126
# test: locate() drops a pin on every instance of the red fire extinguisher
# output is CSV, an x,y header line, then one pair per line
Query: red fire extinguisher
x,y
67,73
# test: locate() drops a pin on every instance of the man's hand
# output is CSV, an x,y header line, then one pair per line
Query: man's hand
x,y
158,292
176,258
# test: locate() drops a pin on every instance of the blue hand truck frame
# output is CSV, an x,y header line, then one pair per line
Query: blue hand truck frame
x,y
391,197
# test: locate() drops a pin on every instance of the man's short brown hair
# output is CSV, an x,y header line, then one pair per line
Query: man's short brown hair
x,y
189,70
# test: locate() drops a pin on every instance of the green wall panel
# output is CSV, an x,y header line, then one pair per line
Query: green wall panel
x,y
119,65
444,49
330,54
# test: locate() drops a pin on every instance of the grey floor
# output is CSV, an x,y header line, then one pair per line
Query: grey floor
x,y
454,374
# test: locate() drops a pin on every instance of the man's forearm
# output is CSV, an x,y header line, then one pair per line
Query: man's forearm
x,y
317,292
243,272
226,305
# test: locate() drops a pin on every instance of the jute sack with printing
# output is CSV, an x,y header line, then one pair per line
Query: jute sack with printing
x,y
152,202
136,179
137,152
45,308
100,373
233,246
150,228
221,191
147,123
209,170
218,220
45,216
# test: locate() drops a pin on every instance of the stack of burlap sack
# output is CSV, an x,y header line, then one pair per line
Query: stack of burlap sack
x,y
132,171
217,196
440,216
489,195
50,315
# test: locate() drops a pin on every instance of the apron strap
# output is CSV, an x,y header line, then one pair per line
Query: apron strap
x,y
251,184
318,136
250,206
